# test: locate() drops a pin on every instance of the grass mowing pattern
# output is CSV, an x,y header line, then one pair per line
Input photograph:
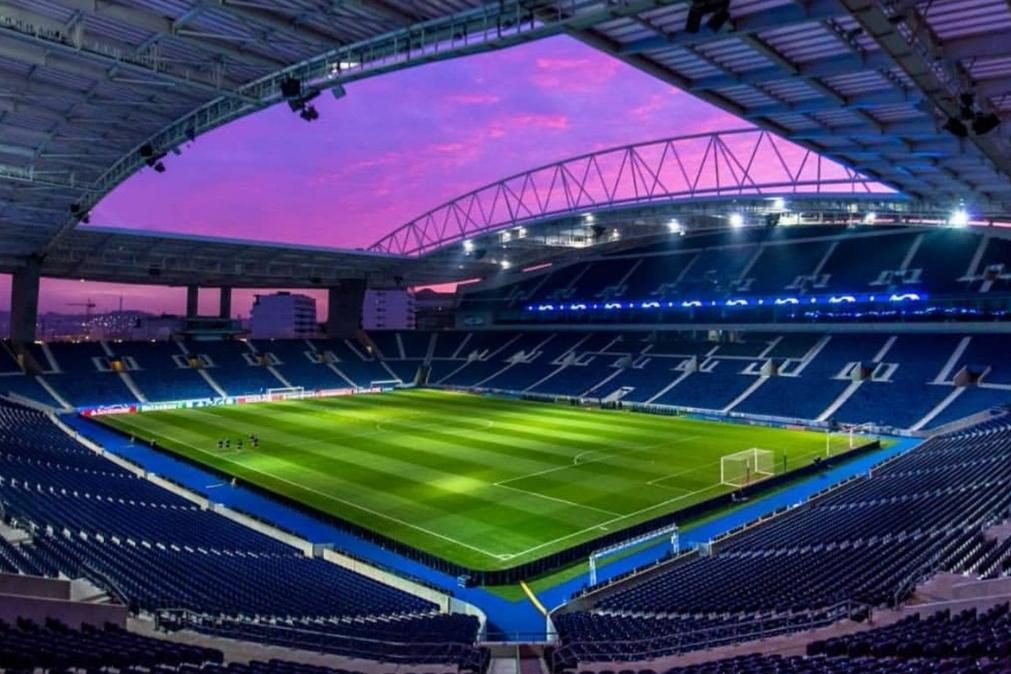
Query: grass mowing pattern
x,y
484,482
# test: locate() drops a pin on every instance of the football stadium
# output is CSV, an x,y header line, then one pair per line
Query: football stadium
x,y
725,398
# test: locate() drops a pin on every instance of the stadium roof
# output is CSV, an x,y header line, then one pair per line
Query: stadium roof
x,y
96,89
103,254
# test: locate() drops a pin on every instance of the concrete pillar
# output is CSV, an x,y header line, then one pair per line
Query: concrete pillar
x,y
25,301
344,308
192,301
225,303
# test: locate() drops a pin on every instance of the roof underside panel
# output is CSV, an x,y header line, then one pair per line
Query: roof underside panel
x,y
869,83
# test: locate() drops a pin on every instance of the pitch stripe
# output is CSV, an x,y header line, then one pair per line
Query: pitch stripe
x,y
346,502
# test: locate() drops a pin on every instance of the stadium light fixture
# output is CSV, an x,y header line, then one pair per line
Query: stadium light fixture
x,y
588,219
959,218
505,264
984,124
736,220
779,204
956,127
870,218
468,246
674,227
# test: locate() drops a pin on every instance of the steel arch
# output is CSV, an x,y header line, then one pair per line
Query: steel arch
x,y
742,162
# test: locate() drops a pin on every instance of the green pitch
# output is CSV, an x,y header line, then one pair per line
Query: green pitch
x,y
487,483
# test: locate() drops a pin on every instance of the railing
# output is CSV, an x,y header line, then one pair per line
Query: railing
x,y
709,637
324,641
739,163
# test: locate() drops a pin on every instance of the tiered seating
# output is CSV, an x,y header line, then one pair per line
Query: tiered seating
x,y
793,261
441,639
907,395
354,363
865,544
231,370
56,647
159,376
775,664
154,550
81,382
967,634
300,364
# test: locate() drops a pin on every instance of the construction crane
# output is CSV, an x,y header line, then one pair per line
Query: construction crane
x,y
88,306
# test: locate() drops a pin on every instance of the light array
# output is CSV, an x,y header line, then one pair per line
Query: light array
x,y
730,303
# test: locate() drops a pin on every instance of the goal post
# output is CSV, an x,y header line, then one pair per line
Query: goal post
x,y
746,467
286,392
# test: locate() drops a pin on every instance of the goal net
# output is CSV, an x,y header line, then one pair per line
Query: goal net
x,y
286,392
746,467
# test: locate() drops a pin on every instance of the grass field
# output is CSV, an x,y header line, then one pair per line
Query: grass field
x,y
487,483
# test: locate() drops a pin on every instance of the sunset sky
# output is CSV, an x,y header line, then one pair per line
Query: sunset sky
x,y
394,147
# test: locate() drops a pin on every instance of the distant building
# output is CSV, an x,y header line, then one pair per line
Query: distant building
x,y
155,327
388,310
283,315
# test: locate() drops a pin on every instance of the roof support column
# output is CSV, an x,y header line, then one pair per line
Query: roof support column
x,y
25,301
344,308
192,301
225,302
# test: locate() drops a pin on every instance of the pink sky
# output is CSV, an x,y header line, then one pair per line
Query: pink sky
x,y
394,147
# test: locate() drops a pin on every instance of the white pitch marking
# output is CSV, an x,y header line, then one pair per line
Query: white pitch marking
x,y
603,525
559,500
346,502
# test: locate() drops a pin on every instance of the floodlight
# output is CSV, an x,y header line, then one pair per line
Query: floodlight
x,y
719,18
736,220
870,218
956,128
505,264
693,24
674,227
779,204
984,124
468,246
291,87
959,218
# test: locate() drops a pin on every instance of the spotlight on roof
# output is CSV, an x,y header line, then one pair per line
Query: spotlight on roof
x,y
719,18
674,227
870,218
291,87
693,24
956,127
717,10
505,264
779,204
736,220
298,100
967,106
984,124
80,214
958,218
152,158
468,246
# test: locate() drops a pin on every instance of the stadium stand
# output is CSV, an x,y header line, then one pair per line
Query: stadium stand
x,y
87,517
161,371
865,544
27,646
904,381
